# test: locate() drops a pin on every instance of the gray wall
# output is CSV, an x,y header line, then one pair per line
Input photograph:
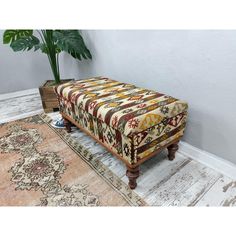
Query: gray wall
x,y
197,66
21,70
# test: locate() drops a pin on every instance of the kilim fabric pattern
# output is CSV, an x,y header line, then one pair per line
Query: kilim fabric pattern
x,y
132,121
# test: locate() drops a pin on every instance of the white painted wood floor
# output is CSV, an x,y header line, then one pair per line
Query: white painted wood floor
x,y
182,182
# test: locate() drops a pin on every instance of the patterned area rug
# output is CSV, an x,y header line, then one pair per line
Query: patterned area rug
x,y
43,166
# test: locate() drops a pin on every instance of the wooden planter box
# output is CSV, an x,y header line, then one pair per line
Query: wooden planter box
x,y
48,96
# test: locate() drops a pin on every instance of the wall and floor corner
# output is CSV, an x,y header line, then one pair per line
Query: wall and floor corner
x,y
197,66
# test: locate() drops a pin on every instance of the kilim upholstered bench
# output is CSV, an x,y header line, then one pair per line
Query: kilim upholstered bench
x,y
133,123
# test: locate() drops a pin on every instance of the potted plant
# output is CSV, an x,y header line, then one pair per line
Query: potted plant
x,y
52,43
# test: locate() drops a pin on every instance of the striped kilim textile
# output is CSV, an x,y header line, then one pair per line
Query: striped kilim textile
x,y
131,121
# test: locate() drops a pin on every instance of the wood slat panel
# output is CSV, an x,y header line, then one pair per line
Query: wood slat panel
x,y
222,193
184,187
14,107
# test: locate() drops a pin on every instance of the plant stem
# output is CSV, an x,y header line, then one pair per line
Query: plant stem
x,y
58,66
52,54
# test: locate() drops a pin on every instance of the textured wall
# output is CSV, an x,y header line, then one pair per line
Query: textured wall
x,y
197,66
21,70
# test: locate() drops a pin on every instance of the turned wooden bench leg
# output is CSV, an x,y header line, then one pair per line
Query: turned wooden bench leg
x,y
67,124
132,174
172,150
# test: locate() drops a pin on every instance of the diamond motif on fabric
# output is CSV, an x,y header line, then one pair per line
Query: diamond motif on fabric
x,y
19,139
174,121
150,120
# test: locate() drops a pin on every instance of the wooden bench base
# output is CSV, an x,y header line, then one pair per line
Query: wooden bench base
x,y
132,170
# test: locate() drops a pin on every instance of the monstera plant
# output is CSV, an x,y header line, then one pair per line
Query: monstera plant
x,y
51,43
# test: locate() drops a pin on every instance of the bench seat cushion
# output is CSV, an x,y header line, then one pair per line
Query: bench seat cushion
x,y
131,120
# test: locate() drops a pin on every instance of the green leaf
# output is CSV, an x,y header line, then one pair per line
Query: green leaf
x,y
72,42
25,43
10,36
42,47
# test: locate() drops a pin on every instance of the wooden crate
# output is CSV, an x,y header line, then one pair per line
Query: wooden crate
x,y
48,96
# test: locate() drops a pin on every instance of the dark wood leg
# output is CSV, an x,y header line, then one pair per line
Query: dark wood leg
x,y
67,125
172,150
132,174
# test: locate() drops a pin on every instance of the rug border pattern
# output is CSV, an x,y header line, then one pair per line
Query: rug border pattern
x,y
103,171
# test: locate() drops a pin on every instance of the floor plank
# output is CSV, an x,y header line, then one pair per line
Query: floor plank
x,y
222,193
178,190
20,107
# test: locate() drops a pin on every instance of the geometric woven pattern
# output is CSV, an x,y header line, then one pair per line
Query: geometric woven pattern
x,y
132,121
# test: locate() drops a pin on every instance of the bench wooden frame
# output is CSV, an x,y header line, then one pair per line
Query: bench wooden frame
x,y
132,170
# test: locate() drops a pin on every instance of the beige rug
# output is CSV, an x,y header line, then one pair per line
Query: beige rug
x,y
43,166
